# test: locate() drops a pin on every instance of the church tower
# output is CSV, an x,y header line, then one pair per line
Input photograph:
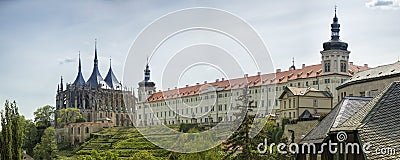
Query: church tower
x,y
146,87
335,56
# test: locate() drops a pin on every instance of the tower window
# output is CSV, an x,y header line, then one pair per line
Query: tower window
x,y
327,66
343,66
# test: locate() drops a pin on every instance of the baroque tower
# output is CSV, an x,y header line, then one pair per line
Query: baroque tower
x,y
335,56
146,87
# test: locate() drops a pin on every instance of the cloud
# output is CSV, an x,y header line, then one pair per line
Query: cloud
x,y
67,60
383,4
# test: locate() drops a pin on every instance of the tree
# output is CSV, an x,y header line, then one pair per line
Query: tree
x,y
240,139
31,137
44,116
69,115
11,132
47,148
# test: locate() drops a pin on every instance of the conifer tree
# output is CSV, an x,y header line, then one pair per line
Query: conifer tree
x,y
240,139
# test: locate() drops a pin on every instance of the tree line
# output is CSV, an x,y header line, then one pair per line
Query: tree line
x,y
37,138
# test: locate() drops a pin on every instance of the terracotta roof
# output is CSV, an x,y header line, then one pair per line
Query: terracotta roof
x,y
252,81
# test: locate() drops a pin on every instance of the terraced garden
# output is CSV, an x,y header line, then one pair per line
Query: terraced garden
x,y
122,141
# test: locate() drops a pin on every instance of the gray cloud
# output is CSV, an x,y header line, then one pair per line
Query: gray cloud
x,y
67,60
383,4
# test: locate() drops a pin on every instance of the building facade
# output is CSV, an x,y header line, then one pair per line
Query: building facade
x,y
215,101
371,82
297,101
97,98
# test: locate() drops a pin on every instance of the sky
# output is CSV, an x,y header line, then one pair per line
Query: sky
x,y
40,40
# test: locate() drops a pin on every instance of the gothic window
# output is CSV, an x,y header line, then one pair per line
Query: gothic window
x,y
327,66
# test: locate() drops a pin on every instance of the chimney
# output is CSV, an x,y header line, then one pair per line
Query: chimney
x,y
366,65
187,85
351,63
246,75
278,70
222,79
303,66
217,80
205,82
258,73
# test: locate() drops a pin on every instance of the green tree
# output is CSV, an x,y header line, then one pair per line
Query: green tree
x,y
47,148
31,137
44,116
69,115
11,132
240,139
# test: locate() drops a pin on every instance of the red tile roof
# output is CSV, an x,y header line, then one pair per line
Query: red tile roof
x,y
252,81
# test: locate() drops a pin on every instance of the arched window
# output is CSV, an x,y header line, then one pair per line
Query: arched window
x,y
87,129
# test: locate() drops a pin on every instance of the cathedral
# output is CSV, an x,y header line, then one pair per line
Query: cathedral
x,y
106,99
98,99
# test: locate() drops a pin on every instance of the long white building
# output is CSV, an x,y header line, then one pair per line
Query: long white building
x,y
215,101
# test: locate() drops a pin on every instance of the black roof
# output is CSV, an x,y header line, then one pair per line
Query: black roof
x,y
111,80
342,111
79,80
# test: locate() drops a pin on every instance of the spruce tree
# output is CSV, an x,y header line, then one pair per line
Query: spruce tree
x,y
240,139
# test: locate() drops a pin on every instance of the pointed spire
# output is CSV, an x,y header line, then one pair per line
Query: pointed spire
x,y
95,52
79,67
95,77
335,10
335,28
335,42
79,80
293,61
147,71
111,80
61,84
292,67
146,82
